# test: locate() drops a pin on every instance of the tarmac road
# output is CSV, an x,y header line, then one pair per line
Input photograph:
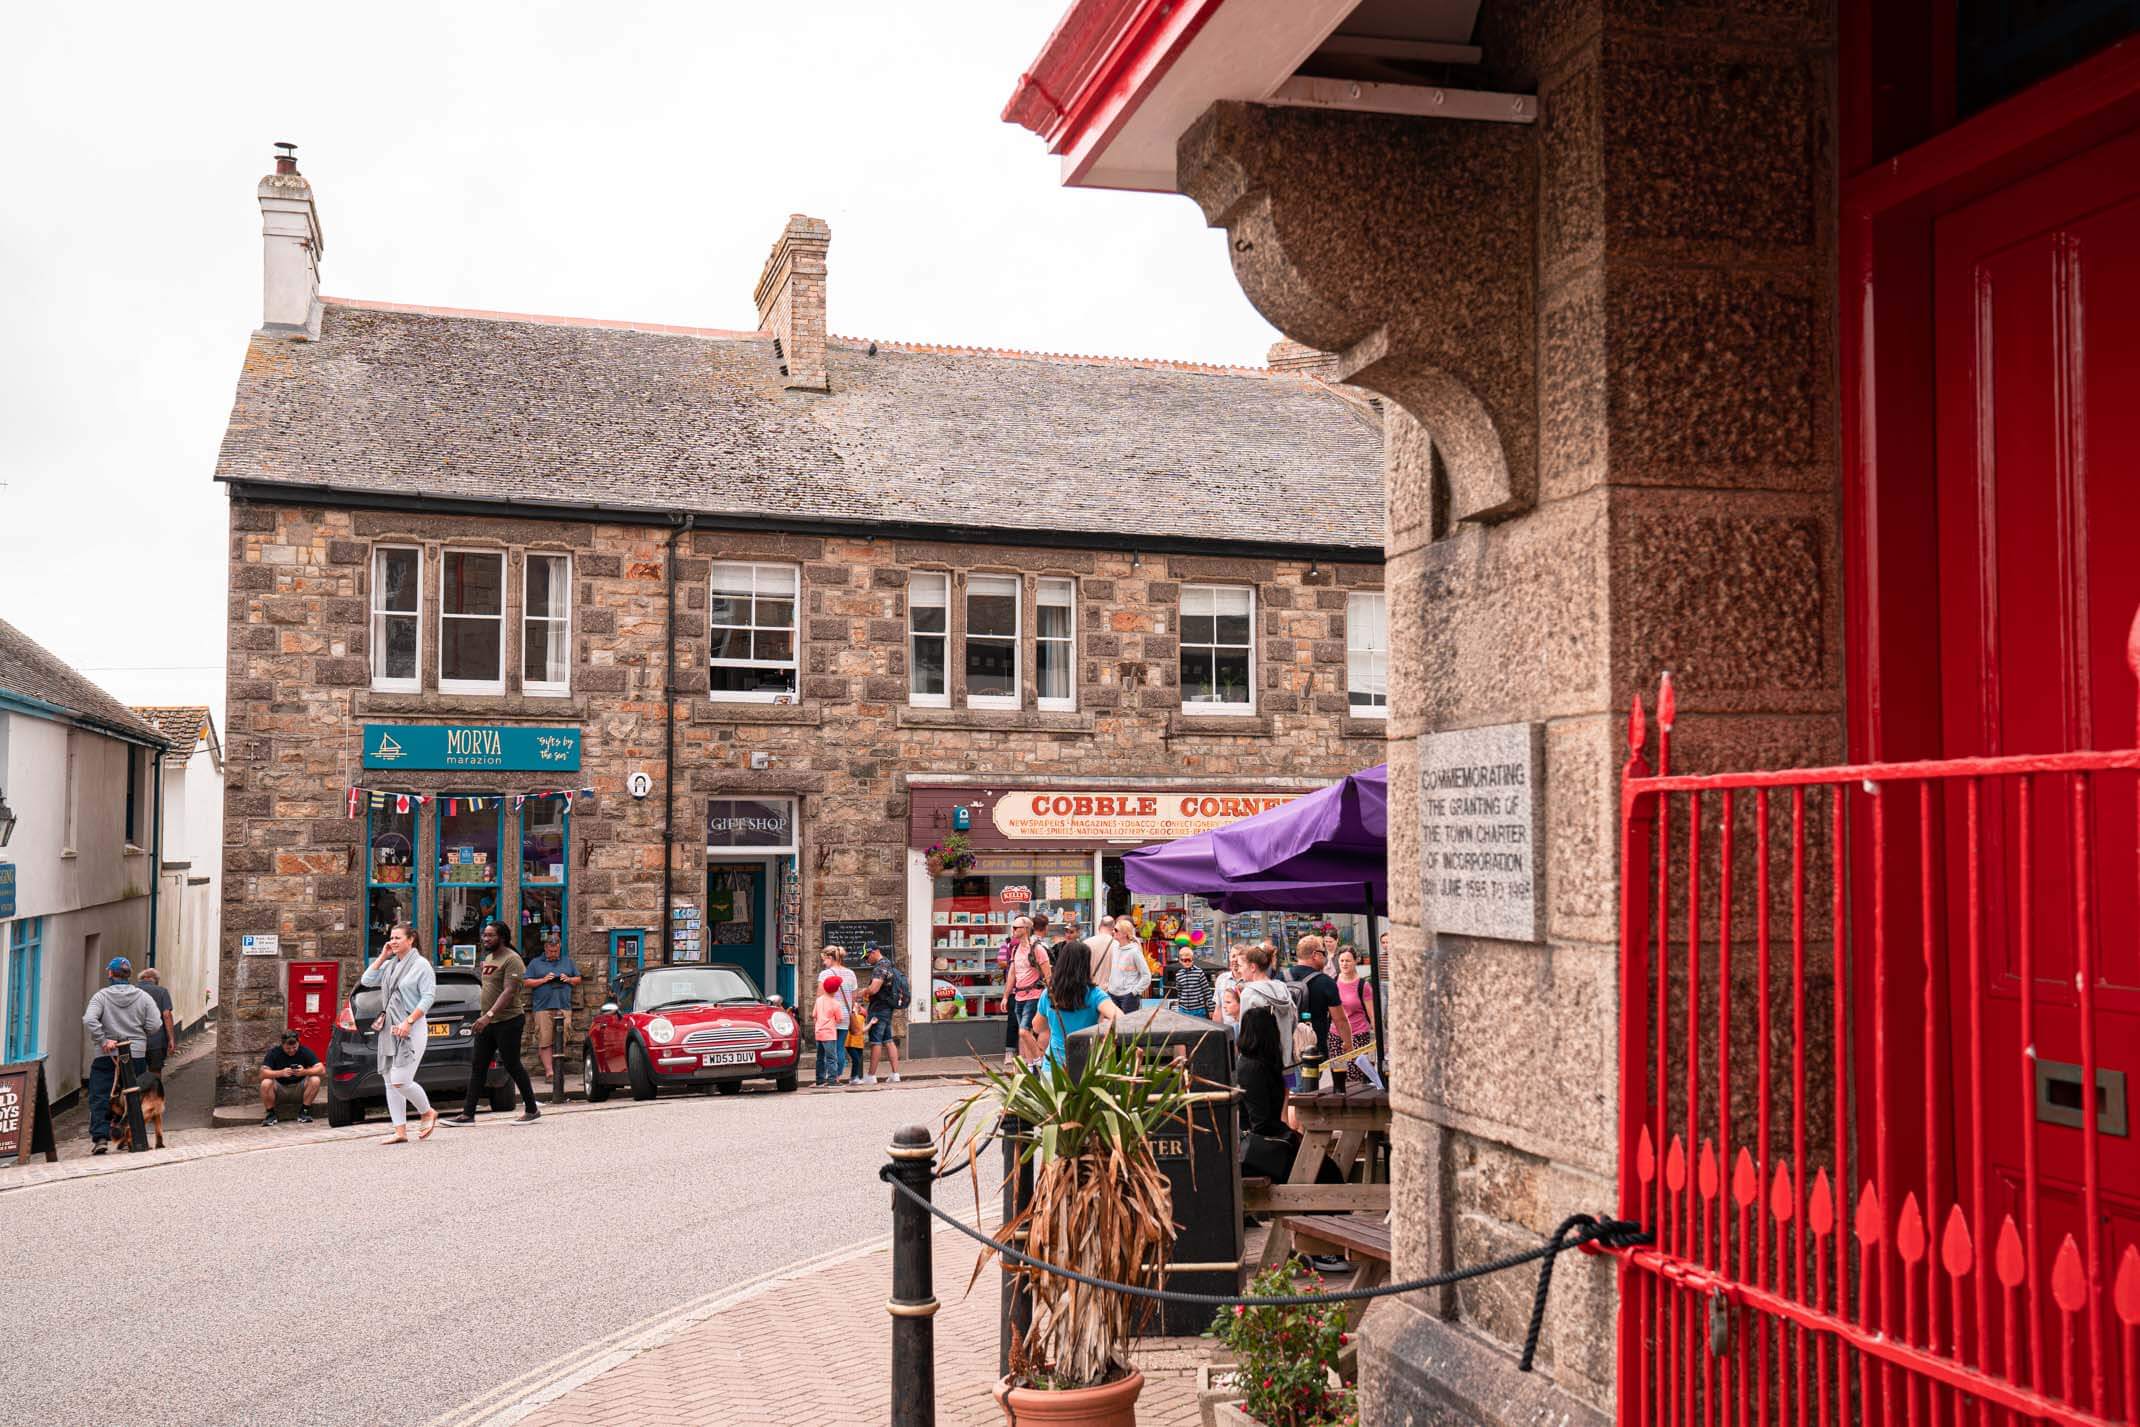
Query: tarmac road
x,y
350,1283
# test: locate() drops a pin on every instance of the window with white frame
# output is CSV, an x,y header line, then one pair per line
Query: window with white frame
x,y
1055,665
1218,649
471,622
929,639
1367,654
992,641
397,623
546,627
750,626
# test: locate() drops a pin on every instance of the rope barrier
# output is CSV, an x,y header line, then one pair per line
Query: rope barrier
x,y
1576,1231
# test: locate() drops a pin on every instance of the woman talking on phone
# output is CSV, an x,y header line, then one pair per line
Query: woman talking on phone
x,y
407,986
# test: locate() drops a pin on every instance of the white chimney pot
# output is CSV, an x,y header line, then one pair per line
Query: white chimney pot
x,y
290,259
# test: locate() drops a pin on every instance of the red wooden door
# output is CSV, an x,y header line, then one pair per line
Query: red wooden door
x,y
2037,309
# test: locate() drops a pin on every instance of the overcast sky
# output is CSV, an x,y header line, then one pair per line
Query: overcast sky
x,y
621,160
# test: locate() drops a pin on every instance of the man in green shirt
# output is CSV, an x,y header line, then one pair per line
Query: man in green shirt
x,y
499,1028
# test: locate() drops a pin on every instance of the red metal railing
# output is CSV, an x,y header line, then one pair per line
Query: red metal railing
x,y
1842,1234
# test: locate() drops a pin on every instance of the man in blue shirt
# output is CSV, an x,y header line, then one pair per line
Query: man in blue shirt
x,y
550,979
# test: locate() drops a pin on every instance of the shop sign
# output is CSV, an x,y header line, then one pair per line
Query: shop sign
x,y
750,824
1135,816
1016,894
512,748
7,889
25,1113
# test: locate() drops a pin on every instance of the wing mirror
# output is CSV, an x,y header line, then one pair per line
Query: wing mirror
x,y
609,1008
776,1003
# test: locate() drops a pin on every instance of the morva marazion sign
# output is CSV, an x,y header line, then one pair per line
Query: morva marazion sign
x,y
512,748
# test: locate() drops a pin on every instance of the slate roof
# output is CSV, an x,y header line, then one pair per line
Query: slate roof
x,y
186,725
31,671
409,402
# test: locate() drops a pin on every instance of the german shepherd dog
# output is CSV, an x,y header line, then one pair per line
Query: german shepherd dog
x,y
122,1125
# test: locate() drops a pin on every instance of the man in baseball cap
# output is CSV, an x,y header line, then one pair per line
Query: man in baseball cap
x,y
120,1019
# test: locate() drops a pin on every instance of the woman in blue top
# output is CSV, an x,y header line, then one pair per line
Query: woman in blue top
x,y
1072,1003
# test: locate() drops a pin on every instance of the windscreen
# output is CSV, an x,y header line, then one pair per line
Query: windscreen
x,y
692,985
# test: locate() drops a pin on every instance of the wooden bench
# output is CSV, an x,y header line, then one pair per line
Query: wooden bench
x,y
1363,1238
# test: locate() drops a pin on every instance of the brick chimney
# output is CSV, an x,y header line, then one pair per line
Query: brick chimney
x,y
791,300
291,248
1289,358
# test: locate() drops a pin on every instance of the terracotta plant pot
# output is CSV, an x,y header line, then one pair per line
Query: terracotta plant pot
x,y
1111,1404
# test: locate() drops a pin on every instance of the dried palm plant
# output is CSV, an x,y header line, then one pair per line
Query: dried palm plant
x,y
1100,1203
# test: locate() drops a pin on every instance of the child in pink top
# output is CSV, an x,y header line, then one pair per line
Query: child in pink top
x,y
829,1023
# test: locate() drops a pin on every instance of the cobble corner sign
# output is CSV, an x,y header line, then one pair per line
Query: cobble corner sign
x,y
1482,819
1154,815
509,748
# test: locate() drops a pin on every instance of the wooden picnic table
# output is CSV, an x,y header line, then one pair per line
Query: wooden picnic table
x,y
1337,1128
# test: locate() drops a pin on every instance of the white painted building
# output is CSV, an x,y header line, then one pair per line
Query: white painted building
x,y
189,903
78,772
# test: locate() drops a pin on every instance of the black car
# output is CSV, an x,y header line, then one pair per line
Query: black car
x,y
353,1080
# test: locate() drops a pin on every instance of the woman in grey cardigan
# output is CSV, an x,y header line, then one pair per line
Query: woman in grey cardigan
x,y
407,986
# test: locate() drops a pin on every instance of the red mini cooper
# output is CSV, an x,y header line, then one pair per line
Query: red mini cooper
x,y
689,1025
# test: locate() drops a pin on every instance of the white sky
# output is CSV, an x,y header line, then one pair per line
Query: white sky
x,y
622,160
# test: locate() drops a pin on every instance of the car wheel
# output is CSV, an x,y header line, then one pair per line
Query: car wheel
x,y
343,1113
640,1070
597,1092
728,1087
786,1082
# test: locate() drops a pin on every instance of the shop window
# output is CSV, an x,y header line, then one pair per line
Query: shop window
x,y
1367,654
471,626
1056,655
25,989
545,835
546,627
1218,649
992,641
751,627
466,888
397,629
929,639
389,871
970,918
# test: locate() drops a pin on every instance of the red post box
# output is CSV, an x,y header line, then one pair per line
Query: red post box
x,y
313,999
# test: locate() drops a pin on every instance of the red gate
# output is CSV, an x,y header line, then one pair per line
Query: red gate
x,y
1835,1240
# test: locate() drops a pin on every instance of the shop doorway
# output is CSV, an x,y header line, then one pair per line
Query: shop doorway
x,y
737,930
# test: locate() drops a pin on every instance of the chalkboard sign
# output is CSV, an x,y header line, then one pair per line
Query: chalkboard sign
x,y
854,938
25,1113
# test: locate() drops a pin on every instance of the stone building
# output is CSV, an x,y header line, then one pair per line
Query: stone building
x,y
517,603
1781,346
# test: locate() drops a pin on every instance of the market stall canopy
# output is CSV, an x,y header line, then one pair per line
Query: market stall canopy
x,y
1189,867
1337,835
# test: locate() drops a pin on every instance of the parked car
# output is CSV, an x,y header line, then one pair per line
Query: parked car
x,y
690,1025
353,1081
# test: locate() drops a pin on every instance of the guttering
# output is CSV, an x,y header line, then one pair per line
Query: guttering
x,y
57,713
155,854
1102,60
335,497
668,748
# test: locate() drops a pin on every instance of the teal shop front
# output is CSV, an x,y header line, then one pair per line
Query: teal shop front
x,y
474,748
750,914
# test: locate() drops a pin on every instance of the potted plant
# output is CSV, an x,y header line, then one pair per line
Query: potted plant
x,y
1100,1205
950,857
1284,1372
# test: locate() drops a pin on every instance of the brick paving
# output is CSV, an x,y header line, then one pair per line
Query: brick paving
x,y
815,1350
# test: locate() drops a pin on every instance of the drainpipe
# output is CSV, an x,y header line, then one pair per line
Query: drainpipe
x,y
155,851
668,751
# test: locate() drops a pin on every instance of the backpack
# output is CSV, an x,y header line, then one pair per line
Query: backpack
x,y
902,994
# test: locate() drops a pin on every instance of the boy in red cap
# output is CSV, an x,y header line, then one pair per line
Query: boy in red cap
x,y
829,1022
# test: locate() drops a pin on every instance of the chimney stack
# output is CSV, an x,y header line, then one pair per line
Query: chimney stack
x,y
791,300
291,247
1290,358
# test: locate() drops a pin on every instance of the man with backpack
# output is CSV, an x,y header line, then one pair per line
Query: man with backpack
x,y
885,992
120,1019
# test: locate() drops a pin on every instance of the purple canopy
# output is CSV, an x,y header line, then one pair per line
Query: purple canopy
x,y
1188,866
1335,835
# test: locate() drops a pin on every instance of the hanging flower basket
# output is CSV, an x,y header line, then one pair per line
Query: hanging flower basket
x,y
950,858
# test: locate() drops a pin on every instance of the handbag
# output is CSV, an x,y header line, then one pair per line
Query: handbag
x,y
1269,1155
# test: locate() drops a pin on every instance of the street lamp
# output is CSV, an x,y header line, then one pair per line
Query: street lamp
x,y
7,820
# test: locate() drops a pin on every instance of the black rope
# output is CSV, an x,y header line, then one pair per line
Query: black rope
x,y
1577,1230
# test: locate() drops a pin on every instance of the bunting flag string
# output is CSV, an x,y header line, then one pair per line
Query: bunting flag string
x,y
378,799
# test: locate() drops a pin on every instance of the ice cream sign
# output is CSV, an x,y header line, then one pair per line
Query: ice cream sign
x,y
499,747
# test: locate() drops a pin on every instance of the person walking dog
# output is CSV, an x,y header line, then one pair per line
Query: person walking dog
x,y
120,1019
407,986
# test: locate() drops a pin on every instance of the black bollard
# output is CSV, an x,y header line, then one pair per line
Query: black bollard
x,y
1016,1318
913,1301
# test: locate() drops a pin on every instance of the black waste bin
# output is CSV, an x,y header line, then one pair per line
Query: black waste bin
x,y
1201,1159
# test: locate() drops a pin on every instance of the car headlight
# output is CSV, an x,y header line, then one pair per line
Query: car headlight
x,y
660,1031
781,1023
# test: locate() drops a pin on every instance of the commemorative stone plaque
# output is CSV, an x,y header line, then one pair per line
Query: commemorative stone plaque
x,y
1482,816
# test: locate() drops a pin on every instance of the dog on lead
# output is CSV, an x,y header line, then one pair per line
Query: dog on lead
x,y
122,1124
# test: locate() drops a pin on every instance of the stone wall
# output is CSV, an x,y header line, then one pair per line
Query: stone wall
x,y
1613,455
299,692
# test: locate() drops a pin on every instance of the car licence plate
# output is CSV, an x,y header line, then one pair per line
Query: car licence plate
x,y
728,1057
441,1028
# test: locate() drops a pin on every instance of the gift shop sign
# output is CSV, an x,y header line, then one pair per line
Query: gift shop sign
x,y
1053,816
